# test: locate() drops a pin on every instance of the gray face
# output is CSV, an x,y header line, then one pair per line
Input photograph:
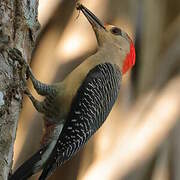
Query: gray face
x,y
117,37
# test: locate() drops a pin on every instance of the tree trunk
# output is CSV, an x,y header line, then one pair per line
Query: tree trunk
x,y
18,29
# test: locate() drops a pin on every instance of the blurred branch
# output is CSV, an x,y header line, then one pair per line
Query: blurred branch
x,y
174,159
172,11
144,171
169,62
161,171
57,22
153,21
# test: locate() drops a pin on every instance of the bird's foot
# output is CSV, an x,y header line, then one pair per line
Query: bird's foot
x,y
16,55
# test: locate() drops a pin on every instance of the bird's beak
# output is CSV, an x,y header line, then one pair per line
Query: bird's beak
x,y
95,22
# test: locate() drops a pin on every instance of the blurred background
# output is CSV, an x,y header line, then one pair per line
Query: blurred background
x,y
140,138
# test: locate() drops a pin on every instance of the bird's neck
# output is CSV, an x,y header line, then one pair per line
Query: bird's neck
x,y
111,54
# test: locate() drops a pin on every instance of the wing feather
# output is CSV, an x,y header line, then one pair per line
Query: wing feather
x,y
90,108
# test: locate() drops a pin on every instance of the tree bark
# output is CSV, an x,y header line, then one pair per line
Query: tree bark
x,y
18,28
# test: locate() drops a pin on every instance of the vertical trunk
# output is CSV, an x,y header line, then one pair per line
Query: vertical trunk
x,y
18,28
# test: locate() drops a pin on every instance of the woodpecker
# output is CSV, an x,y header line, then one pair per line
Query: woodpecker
x,y
75,108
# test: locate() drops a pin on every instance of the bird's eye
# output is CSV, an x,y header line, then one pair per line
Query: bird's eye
x,y
116,31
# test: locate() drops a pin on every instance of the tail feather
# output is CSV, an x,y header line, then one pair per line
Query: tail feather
x,y
51,165
48,169
46,172
31,166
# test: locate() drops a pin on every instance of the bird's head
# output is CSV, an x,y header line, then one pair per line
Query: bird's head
x,y
113,36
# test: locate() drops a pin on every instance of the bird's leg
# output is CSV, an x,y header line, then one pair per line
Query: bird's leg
x,y
37,104
41,88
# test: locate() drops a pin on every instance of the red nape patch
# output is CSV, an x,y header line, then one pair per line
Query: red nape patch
x,y
130,59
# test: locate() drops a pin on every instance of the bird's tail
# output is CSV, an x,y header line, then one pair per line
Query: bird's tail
x,y
49,168
47,172
51,165
31,166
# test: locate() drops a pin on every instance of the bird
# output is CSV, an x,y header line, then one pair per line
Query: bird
x,y
76,107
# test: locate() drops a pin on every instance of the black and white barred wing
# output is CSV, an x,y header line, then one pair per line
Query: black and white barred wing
x,y
90,108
